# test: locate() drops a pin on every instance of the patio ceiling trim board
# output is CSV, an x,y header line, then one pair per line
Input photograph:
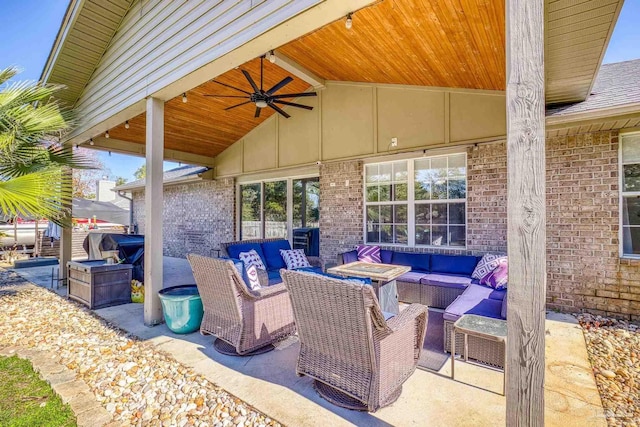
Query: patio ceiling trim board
x,y
187,76
125,147
298,70
199,177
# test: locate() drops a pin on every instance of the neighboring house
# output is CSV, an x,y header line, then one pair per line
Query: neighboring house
x,y
406,141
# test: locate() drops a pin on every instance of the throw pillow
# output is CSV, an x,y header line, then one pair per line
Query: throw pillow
x,y
294,258
252,276
368,253
251,258
486,265
498,278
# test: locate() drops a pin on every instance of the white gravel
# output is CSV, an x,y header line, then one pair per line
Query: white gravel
x,y
137,384
614,351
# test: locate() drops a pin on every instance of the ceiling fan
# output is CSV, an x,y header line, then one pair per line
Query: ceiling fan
x,y
265,98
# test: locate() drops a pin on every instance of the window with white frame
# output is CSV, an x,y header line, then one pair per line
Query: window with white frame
x,y
417,202
630,194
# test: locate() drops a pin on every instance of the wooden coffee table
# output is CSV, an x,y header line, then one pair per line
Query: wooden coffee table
x,y
383,278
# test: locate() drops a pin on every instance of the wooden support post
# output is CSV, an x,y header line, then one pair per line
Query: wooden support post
x,y
153,207
526,224
66,233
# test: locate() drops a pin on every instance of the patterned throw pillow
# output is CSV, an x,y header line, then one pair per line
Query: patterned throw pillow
x,y
294,258
369,253
498,278
251,258
252,276
486,265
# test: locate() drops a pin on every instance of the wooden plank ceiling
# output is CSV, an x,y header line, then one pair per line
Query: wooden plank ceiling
x,y
202,126
439,43
413,42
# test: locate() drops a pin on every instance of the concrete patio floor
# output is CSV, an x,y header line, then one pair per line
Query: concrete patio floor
x,y
268,381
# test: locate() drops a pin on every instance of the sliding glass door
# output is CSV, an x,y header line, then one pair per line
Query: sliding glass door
x,y
272,209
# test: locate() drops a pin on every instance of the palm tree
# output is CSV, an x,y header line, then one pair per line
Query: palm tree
x,y
34,176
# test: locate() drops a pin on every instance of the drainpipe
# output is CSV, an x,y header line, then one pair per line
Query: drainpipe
x,y
130,199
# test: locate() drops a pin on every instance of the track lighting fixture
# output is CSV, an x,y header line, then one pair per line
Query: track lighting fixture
x,y
90,141
349,22
126,124
75,146
271,57
184,97
106,134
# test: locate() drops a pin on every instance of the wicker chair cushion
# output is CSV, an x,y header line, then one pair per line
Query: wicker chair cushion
x,y
453,264
274,277
234,250
272,255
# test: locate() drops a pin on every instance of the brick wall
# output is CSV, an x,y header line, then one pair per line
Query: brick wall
x,y
584,268
197,217
341,211
585,271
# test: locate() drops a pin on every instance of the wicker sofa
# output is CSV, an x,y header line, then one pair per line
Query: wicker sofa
x,y
444,282
358,359
269,251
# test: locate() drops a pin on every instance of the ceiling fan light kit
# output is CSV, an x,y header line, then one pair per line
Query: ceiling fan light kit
x,y
265,98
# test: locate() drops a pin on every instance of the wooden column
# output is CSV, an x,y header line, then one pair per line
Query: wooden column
x,y
153,207
526,234
66,233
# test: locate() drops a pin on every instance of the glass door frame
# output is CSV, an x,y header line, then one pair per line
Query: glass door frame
x,y
289,180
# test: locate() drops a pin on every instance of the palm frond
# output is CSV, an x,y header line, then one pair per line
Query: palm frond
x,y
45,193
8,73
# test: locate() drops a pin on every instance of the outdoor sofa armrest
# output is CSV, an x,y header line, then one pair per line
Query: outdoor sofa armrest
x,y
314,261
414,314
270,291
263,277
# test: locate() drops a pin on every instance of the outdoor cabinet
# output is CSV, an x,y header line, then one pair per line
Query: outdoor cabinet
x,y
98,284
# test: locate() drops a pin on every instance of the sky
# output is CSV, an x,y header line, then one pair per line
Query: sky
x,y
27,37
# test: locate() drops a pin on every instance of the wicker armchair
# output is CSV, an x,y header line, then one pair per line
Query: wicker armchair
x,y
357,359
245,322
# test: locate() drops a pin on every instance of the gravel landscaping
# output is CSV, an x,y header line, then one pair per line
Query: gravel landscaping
x,y
137,384
614,351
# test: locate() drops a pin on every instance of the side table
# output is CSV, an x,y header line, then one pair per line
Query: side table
x,y
485,328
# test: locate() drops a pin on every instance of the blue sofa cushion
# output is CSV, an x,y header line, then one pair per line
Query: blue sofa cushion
x,y
274,277
235,250
446,280
271,251
453,264
479,292
412,277
386,256
417,261
484,307
351,256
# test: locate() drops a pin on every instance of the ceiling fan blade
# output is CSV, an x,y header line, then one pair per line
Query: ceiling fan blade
x,y
251,82
293,104
227,96
237,105
280,85
294,95
232,87
257,114
279,110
